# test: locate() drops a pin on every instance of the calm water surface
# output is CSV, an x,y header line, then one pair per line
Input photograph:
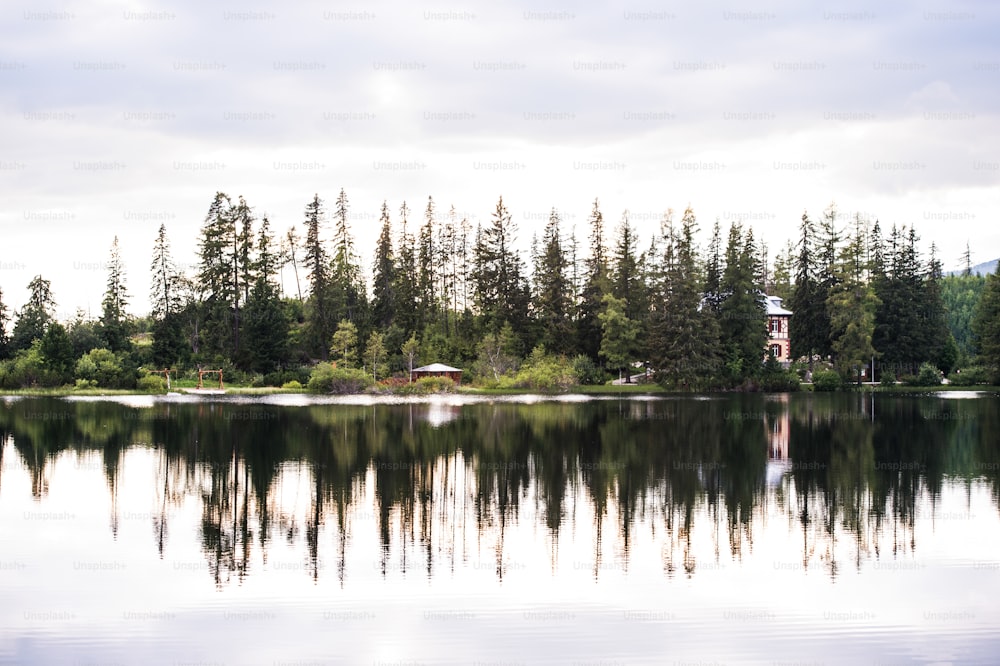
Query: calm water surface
x,y
803,529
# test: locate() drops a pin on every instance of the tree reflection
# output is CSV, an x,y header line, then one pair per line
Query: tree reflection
x,y
441,487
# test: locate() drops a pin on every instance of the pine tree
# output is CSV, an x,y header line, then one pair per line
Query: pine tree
x,y
425,266
114,327
4,320
552,290
291,247
807,325
618,335
684,333
320,314
596,285
406,295
35,316
500,288
626,277
218,280
383,286
57,352
852,304
742,319
986,322
266,324
349,295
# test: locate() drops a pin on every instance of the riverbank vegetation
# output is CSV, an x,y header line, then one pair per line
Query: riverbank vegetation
x,y
663,309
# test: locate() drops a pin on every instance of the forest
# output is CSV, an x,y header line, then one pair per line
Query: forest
x,y
867,303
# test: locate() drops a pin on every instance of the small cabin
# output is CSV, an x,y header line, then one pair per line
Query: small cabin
x,y
436,370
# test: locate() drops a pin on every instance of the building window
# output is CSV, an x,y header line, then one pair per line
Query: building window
x,y
775,326
776,351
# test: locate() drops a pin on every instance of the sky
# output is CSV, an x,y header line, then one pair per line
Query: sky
x,y
116,117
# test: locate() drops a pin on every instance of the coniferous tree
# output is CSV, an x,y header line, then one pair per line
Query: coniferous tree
x,y
425,267
266,324
939,346
114,327
742,320
986,322
852,305
4,319
807,327
501,291
320,312
713,270
384,283
618,335
552,290
35,316
349,292
218,280
165,299
406,293
626,276
684,332
596,285
290,256
57,352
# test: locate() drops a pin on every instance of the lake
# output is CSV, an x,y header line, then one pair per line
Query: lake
x,y
717,529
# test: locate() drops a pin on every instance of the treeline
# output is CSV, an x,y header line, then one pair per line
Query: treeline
x,y
442,290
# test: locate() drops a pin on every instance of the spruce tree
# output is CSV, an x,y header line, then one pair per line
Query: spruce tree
x,y
851,305
383,285
320,314
552,290
114,327
742,320
986,322
35,316
596,285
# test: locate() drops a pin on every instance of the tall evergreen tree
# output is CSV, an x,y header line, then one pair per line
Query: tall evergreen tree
x,y
349,294
218,280
114,326
320,312
626,277
742,320
383,286
852,304
406,292
501,290
619,335
4,320
35,316
986,322
425,267
57,352
684,333
938,343
808,327
266,324
552,290
596,285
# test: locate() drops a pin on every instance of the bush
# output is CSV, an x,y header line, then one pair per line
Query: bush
x,y
151,384
106,368
587,372
85,384
888,378
971,376
928,375
327,379
543,372
294,384
826,380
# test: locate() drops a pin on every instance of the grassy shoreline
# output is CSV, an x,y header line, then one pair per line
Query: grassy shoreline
x,y
633,389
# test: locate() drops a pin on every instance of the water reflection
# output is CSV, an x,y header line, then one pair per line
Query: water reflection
x,y
429,489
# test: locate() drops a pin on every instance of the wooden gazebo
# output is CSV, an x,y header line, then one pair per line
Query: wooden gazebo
x,y
436,370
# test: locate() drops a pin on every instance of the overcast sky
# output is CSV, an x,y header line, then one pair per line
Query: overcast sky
x,y
117,116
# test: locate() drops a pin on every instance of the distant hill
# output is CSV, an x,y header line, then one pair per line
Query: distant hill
x,y
983,269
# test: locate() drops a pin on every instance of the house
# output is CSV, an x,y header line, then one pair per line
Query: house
x,y
778,340
436,370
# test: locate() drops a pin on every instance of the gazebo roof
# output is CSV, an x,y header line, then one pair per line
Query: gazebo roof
x,y
436,367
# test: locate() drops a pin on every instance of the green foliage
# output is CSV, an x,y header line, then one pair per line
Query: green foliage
x,y
107,368
961,293
776,379
151,384
618,339
344,344
986,322
545,372
83,384
27,369
327,379
293,384
826,380
587,372
57,351
928,375
426,385
888,378
971,376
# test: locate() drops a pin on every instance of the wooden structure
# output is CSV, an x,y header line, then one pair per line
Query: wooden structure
x,y
436,370
202,373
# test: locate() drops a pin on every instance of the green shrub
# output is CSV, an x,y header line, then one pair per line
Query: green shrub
x,y
971,376
928,375
327,379
588,372
426,385
826,380
888,378
106,368
85,384
293,384
151,384
543,372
